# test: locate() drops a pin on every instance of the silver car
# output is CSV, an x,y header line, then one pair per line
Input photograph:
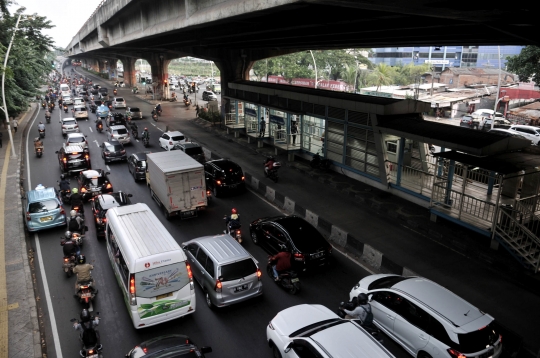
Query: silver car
x,y
227,273
135,112
69,125
120,133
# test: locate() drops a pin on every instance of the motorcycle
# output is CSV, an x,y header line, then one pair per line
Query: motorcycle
x,y
68,264
134,131
41,133
99,127
86,293
273,172
145,142
234,231
288,280
48,119
135,90
173,99
65,196
89,337
115,92
43,105
39,152
158,111
154,116
319,163
65,108
187,102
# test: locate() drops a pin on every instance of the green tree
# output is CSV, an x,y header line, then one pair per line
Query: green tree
x,y
383,75
526,65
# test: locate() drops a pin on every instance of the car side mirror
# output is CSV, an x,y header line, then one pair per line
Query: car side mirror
x,y
206,350
370,298
130,195
56,152
107,173
288,347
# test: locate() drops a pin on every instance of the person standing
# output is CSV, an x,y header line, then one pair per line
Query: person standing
x,y
262,127
294,131
15,124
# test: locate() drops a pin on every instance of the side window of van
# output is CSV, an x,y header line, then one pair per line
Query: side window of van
x,y
201,257
210,267
192,248
118,258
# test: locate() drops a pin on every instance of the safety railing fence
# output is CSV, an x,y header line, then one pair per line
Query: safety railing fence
x,y
230,120
460,203
526,211
413,179
251,124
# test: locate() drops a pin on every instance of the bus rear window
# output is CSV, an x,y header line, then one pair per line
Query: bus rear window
x,y
161,280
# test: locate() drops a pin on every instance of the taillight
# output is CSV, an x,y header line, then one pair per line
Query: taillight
x,y
66,259
108,186
455,354
132,298
107,153
65,160
243,178
86,157
188,267
299,257
83,190
28,218
218,182
259,274
218,286
91,351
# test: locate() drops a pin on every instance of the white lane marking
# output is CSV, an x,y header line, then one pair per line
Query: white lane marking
x,y
91,129
108,169
97,143
153,124
137,140
52,317
159,129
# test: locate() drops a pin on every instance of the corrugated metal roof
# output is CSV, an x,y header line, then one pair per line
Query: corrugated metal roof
x,y
173,161
462,139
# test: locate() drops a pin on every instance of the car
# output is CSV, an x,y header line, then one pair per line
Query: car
x,y
94,105
509,133
69,125
67,99
94,90
308,247
103,202
43,209
93,182
192,149
112,151
168,346
103,90
424,317
115,119
137,165
102,111
310,330
73,158
119,102
119,133
485,123
485,113
529,132
78,100
467,121
135,112
169,139
80,111
76,139
209,96
226,272
224,175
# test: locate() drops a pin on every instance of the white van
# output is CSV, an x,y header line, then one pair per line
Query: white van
x,y
64,88
150,267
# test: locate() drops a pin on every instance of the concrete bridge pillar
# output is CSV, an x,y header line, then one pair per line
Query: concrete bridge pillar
x,y
101,65
160,72
129,71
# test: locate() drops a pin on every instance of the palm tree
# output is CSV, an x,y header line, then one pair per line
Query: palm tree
x,y
349,75
383,75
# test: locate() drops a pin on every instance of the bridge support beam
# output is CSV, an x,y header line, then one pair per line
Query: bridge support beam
x,y
129,71
100,65
160,72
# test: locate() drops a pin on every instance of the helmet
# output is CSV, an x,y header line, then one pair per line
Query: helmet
x,y
233,211
36,139
62,176
68,235
81,259
40,122
74,191
85,315
73,213
145,129
362,299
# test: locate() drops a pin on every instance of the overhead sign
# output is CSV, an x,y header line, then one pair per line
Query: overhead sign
x,y
251,112
438,62
277,119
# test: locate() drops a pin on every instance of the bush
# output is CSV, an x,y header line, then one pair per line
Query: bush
x,y
213,117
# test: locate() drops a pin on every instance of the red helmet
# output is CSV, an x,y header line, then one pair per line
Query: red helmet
x,y
233,211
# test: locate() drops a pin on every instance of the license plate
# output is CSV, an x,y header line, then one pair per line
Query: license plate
x,y
241,288
87,294
293,280
76,164
92,356
163,296
46,218
187,214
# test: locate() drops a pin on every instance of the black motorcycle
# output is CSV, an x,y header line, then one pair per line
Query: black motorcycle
x,y
288,280
233,229
89,338
41,133
134,131
272,173
319,163
145,142
65,108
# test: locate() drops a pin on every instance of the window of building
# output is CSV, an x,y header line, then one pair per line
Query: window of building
x,y
361,153
313,135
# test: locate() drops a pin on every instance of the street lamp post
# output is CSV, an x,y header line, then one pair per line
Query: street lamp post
x,y
13,153
498,89
315,65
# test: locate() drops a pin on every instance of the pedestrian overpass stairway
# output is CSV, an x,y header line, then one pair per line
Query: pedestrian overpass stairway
x,y
520,239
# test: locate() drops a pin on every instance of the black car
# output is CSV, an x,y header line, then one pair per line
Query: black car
x,y
192,149
95,89
137,165
168,346
308,247
116,119
468,122
112,151
73,158
94,182
223,175
94,106
102,203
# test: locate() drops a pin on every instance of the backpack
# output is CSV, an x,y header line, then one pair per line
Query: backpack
x,y
73,225
368,321
88,336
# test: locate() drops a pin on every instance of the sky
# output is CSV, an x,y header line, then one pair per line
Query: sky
x,y
68,16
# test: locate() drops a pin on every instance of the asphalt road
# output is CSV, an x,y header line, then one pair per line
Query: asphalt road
x,y
236,331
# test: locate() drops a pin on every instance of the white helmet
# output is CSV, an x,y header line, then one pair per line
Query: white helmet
x,y
73,213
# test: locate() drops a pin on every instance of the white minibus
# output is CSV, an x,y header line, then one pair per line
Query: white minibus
x,y
64,88
150,267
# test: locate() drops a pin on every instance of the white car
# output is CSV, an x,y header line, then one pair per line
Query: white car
x,y
529,132
119,102
169,139
315,331
424,317
76,139
69,125
67,100
78,101
80,111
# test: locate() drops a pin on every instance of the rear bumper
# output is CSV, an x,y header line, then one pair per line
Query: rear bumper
x,y
33,226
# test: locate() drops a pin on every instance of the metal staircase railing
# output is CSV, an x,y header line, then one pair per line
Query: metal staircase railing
x,y
518,239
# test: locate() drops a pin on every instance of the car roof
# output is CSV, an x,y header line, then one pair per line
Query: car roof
x,y
74,148
439,299
119,126
524,126
189,145
224,163
92,173
40,195
112,200
69,119
297,317
118,98
174,133
75,135
223,248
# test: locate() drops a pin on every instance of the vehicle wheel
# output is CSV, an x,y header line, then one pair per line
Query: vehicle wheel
x,y
208,300
254,238
134,177
423,355
165,212
275,352
215,192
294,289
69,273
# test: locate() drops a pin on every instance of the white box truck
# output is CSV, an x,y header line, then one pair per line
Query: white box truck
x,y
177,183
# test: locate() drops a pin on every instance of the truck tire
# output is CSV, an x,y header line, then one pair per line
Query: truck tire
x,y
165,212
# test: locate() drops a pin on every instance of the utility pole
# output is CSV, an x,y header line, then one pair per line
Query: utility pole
x,y
498,89
314,65
13,153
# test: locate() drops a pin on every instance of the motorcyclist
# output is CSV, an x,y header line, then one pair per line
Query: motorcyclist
x,y
145,134
75,222
41,127
64,184
47,114
158,108
99,123
84,273
283,262
361,312
77,200
232,221
69,246
185,97
269,164
87,327
37,144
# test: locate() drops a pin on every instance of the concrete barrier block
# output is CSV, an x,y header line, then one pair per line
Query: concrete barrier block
x,y
289,206
254,183
338,236
270,194
312,218
373,256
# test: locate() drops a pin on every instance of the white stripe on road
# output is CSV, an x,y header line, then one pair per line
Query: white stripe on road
x,y
91,129
159,129
97,143
108,169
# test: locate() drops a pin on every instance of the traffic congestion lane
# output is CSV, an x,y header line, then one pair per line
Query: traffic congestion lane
x,y
225,329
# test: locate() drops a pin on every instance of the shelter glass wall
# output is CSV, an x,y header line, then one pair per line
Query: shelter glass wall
x,y
313,134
